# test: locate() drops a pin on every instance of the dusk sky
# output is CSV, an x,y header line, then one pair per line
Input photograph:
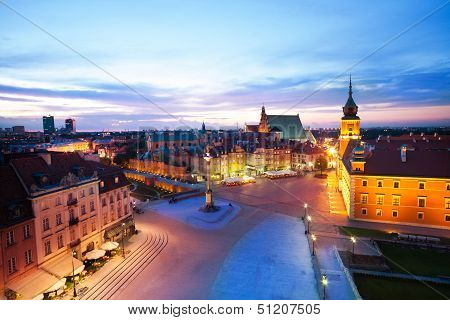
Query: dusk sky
x,y
219,61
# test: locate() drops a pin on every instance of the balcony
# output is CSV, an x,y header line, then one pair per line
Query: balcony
x,y
72,202
74,243
73,221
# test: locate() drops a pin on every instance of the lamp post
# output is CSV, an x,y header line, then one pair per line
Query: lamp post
x,y
353,239
308,217
73,275
123,242
313,238
306,207
324,284
209,204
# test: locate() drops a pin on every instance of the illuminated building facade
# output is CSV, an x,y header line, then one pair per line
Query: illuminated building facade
x,y
399,180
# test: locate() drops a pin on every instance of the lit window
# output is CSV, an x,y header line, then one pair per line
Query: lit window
x,y
364,183
380,199
421,202
447,203
58,219
116,180
380,183
102,184
395,200
396,184
60,241
420,215
28,257
364,198
45,224
394,213
10,238
421,185
12,265
378,212
26,231
47,247
364,211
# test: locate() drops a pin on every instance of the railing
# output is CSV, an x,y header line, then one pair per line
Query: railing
x,y
75,243
72,202
73,221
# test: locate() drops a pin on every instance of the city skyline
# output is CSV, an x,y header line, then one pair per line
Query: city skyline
x,y
221,67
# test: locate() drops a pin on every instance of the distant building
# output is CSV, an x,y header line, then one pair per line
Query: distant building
x,y
18,129
70,125
48,124
288,126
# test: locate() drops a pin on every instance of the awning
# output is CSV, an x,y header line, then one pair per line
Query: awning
x,y
62,266
117,229
57,285
108,246
95,254
33,284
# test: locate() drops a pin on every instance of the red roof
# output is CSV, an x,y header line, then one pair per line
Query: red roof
x,y
423,159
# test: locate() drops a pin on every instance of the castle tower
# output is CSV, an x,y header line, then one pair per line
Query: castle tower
x,y
263,122
350,122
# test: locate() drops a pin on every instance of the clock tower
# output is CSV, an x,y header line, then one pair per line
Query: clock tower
x,y
349,122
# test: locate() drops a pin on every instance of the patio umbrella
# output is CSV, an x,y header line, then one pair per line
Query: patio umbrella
x,y
110,245
95,254
57,285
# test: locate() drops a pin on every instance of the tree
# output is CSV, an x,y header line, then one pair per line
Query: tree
x,y
322,164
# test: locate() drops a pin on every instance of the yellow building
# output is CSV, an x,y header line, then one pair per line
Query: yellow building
x,y
398,180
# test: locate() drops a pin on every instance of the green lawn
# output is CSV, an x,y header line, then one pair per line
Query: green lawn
x,y
368,233
372,288
417,261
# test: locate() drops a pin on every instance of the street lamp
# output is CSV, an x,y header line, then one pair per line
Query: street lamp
x,y
313,238
324,284
73,275
306,207
209,203
308,217
353,239
123,243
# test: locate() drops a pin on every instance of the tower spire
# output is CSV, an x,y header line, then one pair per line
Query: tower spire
x,y
350,92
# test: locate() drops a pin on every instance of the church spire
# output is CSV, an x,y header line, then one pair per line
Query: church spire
x,y
350,92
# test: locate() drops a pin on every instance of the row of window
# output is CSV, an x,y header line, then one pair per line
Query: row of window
x,y
11,237
111,198
396,184
45,204
421,201
395,214
60,237
12,262
119,213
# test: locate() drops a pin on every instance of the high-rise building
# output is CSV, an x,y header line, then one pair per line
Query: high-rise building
x,y
70,125
18,129
48,124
